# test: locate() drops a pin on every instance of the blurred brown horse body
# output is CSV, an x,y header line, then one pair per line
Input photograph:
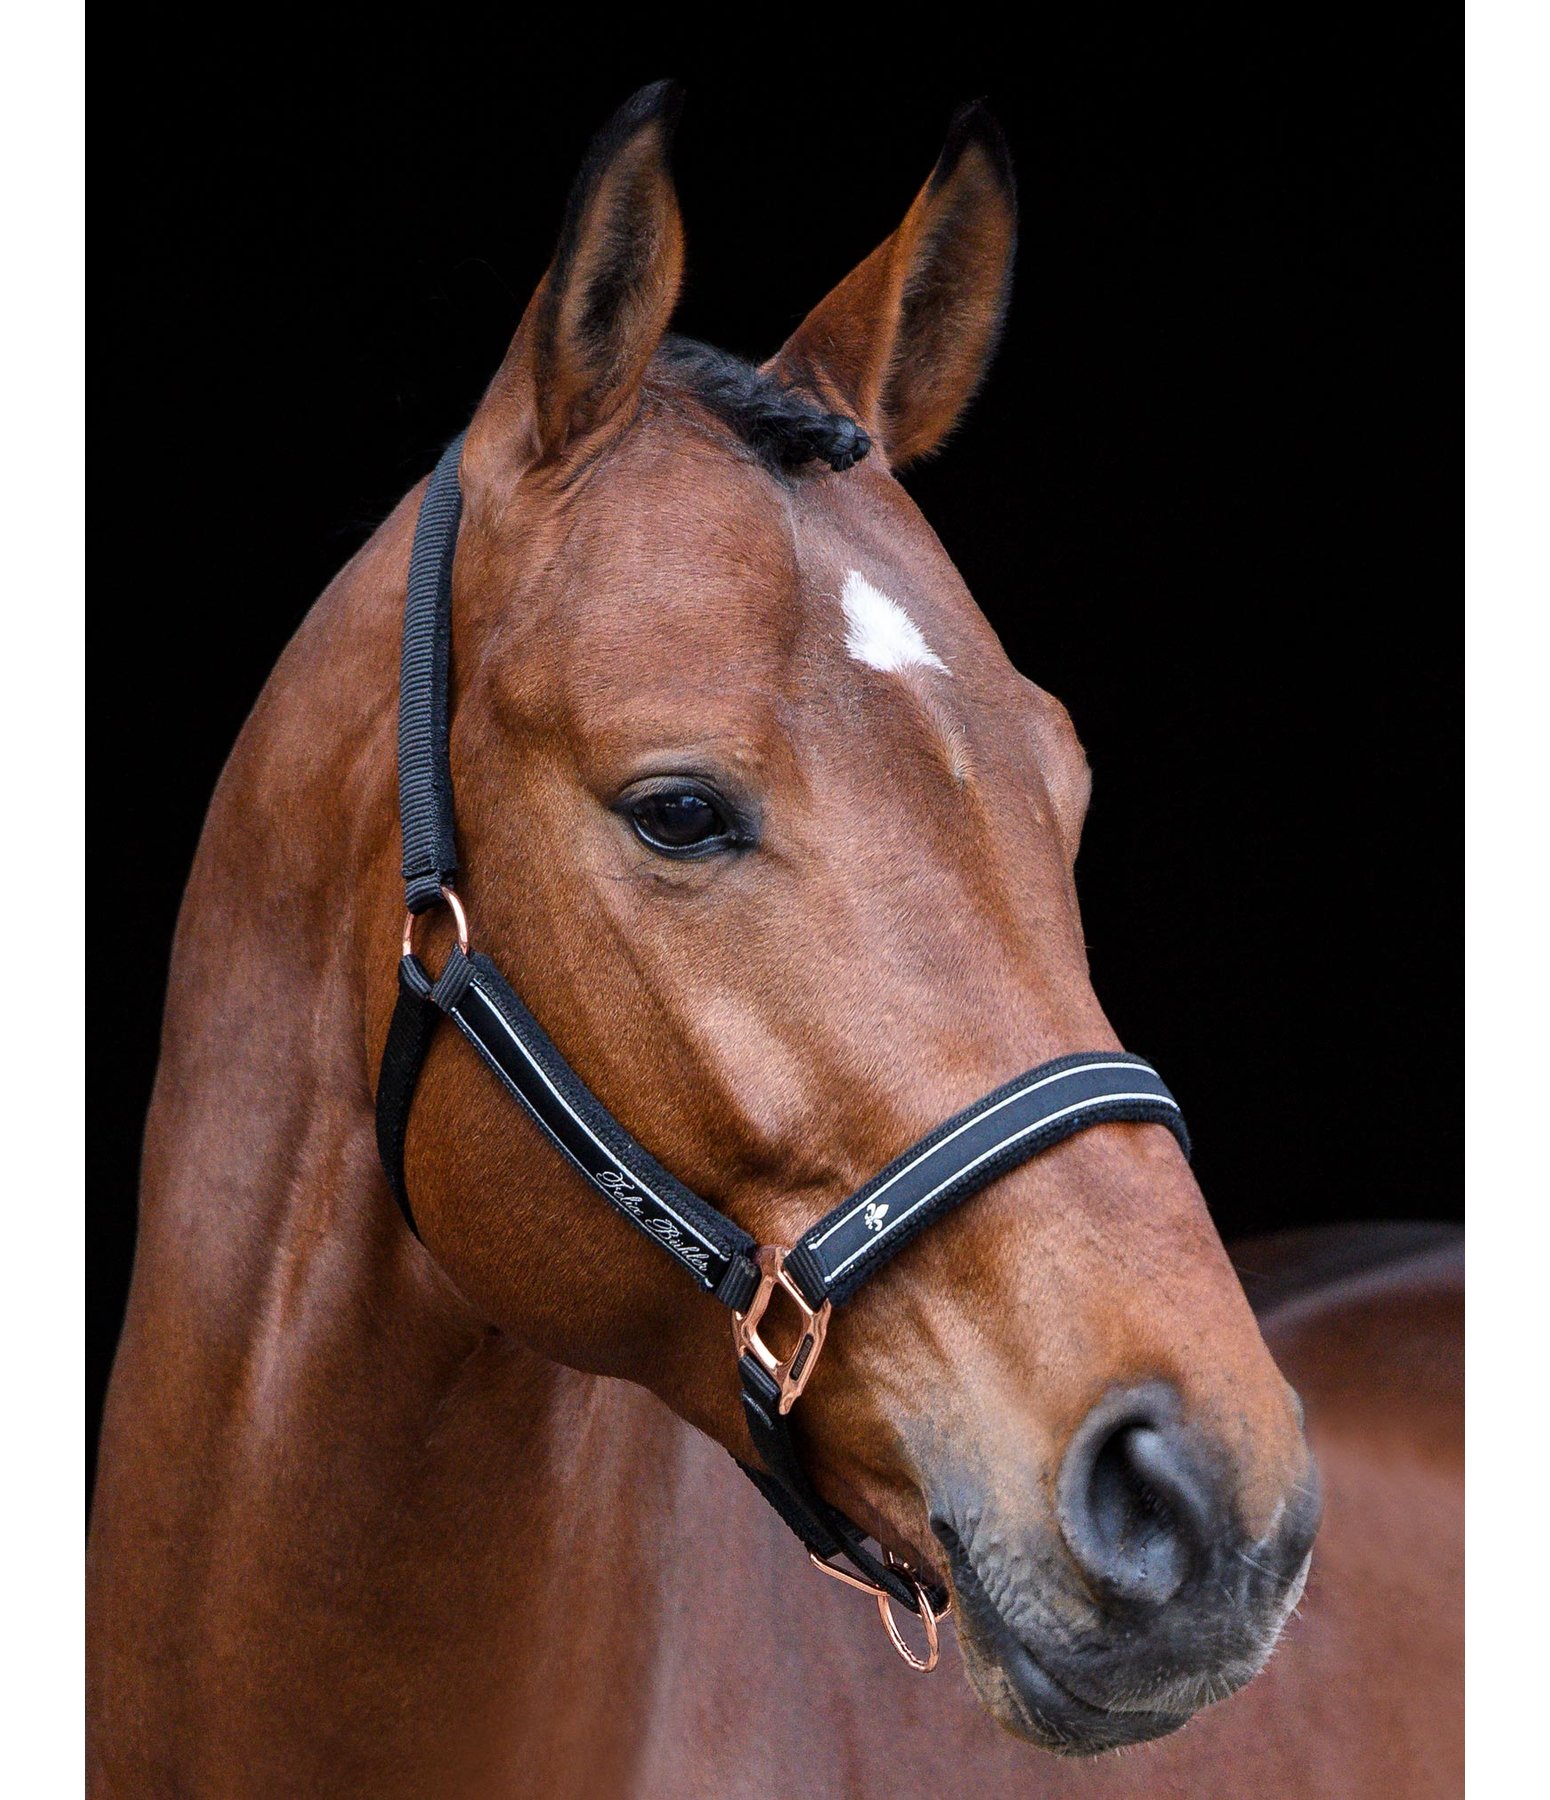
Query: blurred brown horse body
x,y
374,1517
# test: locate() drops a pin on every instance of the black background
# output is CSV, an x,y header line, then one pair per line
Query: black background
x,y
1206,498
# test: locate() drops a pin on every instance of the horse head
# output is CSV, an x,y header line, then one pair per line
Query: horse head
x,y
767,830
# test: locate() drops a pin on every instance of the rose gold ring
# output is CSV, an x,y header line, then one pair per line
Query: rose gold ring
x,y
928,1618
459,920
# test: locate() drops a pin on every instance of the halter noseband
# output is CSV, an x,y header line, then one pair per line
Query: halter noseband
x,y
832,1258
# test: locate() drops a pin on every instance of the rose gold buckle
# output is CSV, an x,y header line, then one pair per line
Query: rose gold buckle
x,y
884,1601
792,1373
459,919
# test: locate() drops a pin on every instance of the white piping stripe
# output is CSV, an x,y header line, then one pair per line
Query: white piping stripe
x,y
1037,1125
617,1162
1032,1088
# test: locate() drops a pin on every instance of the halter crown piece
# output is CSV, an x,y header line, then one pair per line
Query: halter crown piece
x,y
832,1258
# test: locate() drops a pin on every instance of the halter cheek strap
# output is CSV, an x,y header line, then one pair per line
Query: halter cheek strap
x,y
833,1257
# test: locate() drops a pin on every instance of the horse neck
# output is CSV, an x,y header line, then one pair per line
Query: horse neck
x,y
258,1137
304,1413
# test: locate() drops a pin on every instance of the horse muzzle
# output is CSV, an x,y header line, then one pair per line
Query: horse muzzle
x,y
1139,1602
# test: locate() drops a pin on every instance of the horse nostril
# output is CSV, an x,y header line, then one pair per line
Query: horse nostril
x,y
1137,1509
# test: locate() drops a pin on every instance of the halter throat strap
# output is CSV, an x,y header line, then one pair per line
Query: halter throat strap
x,y
833,1257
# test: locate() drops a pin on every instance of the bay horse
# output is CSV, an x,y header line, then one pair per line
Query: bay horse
x,y
775,840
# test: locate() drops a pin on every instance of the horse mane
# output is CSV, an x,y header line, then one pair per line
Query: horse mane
x,y
782,426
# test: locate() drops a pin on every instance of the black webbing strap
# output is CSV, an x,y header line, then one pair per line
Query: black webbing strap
x,y
415,1018
833,1257
717,1254
784,1483
424,694
473,993
966,1153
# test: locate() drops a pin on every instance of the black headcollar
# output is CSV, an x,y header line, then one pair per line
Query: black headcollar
x,y
832,1257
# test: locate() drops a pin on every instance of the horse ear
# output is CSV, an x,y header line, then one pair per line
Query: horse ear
x,y
905,339
600,311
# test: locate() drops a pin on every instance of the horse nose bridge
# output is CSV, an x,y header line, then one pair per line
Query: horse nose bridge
x,y
1239,1410
1096,1268
1200,1338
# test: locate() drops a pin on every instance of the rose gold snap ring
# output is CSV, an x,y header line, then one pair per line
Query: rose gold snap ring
x,y
459,920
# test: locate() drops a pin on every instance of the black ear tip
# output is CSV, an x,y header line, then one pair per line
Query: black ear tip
x,y
657,105
974,124
662,101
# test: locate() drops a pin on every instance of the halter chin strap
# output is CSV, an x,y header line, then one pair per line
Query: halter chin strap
x,y
832,1258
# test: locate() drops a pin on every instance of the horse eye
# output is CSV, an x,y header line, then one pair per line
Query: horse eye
x,y
679,820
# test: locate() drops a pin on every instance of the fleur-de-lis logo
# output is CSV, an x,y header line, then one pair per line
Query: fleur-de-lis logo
x,y
874,1215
